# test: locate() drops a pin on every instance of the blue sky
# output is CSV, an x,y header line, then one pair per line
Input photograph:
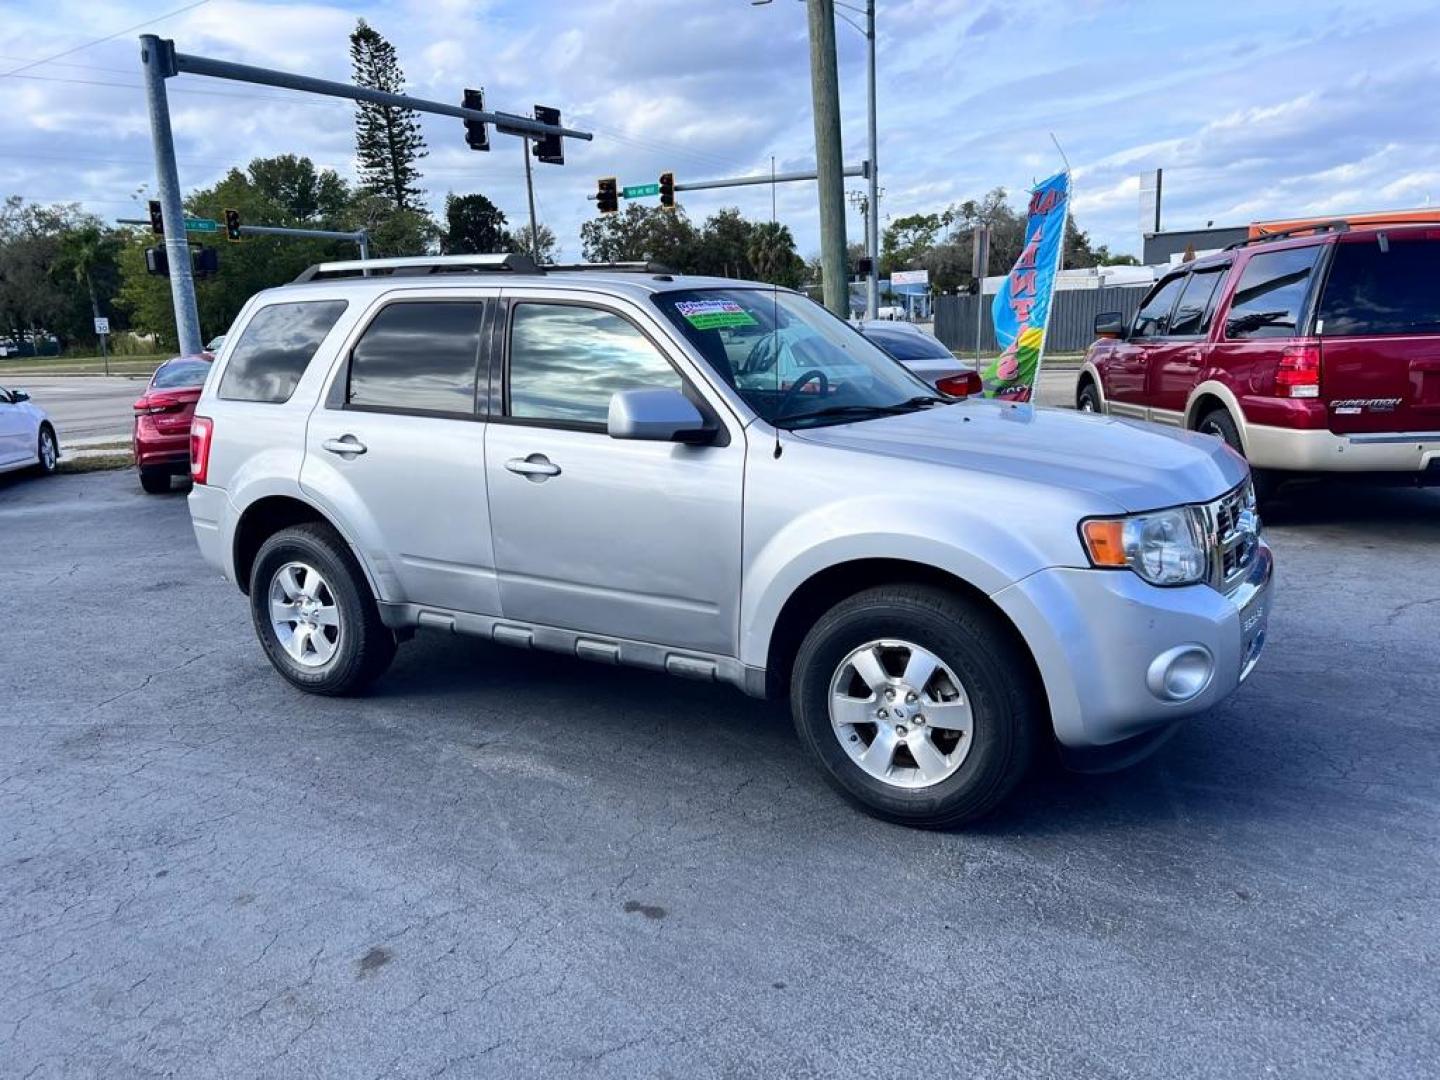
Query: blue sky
x,y
1254,110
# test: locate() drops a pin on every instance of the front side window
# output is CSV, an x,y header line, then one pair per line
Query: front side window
x,y
792,361
1385,284
418,357
1153,318
1270,297
1192,313
275,349
567,360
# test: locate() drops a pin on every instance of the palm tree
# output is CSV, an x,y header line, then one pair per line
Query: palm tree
x,y
82,252
772,254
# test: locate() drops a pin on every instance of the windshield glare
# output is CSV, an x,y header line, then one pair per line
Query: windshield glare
x,y
788,357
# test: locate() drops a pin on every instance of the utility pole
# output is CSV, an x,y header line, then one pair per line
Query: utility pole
x,y
530,192
829,157
872,219
158,61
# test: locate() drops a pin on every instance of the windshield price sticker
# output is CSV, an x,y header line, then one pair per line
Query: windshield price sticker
x,y
712,314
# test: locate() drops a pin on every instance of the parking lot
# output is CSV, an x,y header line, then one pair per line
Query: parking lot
x,y
518,864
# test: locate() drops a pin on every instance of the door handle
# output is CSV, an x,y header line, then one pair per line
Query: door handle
x,y
347,446
535,468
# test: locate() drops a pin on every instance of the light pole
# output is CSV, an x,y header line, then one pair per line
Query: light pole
x,y
872,224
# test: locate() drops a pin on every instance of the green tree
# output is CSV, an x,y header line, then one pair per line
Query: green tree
x,y
392,232
640,233
906,240
304,194
388,141
474,225
37,296
724,245
772,253
88,258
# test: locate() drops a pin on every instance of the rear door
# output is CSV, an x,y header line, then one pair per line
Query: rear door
x,y
397,445
1127,368
1379,327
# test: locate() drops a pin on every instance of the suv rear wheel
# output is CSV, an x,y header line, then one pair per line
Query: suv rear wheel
x,y
314,612
1088,400
908,697
1221,424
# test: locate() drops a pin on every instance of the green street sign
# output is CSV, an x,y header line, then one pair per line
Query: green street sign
x,y
200,224
640,191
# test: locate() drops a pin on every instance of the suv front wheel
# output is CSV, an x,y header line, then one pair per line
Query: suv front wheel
x,y
314,613
913,702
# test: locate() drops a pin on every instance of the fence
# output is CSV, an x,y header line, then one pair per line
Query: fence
x,y
1072,317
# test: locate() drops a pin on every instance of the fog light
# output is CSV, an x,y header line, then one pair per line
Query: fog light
x,y
1181,673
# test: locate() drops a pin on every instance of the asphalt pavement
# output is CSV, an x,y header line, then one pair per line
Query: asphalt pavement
x,y
511,864
86,409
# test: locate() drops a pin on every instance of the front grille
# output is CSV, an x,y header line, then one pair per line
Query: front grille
x,y
1233,533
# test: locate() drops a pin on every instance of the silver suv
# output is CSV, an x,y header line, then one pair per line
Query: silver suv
x,y
720,480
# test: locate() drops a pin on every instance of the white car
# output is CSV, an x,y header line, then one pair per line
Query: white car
x,y
27,435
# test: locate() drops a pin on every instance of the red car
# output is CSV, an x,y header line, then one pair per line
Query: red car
x,y
1316,350
162,421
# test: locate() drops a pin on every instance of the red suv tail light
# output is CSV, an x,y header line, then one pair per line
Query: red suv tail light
x,y
1298,373
201,428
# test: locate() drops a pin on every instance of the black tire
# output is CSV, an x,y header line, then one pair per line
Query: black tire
x,y
1003,703
155,481
365,646
48,461
1088,399
1220,423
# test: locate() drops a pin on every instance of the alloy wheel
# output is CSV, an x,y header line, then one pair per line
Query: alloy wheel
x,y
304,614
49,453
901,713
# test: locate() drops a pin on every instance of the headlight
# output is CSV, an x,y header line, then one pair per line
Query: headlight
x,y
1166,547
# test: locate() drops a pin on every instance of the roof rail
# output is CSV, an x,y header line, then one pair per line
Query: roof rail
x,y
512,263
1315,227
421,264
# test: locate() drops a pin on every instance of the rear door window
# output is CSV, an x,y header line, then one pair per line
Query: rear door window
x,y
1197,302
1153,318
418,357
1386,284
1270,297
275,349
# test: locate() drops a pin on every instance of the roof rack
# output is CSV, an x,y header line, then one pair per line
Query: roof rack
x,y
1314,227
421,265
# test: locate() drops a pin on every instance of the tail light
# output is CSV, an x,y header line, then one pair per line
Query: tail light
x,y
961,385
201,429
1298,374
151,404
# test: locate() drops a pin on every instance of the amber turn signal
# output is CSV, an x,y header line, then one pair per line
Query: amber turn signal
x,y
1106,541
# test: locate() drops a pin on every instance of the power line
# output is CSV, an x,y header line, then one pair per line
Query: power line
x,y
100,40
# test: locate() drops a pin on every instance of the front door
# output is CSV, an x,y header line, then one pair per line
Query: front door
x,y
1127,381
398,447
14,430
1176,362
621,538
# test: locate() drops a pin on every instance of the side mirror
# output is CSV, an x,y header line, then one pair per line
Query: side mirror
x,y
656,416
1110,324
20,395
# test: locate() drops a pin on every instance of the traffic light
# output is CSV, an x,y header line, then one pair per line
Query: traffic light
x,y
548,148
667,190
204,262
477,132
607,195
156,261
863,266
232,225
157,222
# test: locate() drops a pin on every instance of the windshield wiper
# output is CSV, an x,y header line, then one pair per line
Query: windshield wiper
x,y
923,401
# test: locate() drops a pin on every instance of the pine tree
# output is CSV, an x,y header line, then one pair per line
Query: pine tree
x,y
388,141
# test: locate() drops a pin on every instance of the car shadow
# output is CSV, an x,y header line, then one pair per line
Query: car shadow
x,y
1335,501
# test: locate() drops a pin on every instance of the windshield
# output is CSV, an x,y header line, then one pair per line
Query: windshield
x,y
178,373
905,346
791,360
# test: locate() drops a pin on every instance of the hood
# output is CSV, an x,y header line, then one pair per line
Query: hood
x,y
1136,465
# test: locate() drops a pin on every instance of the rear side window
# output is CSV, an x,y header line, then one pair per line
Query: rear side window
x,y
1197,303
275,349
1153,318
418,357
567,360
1269,300
1385,285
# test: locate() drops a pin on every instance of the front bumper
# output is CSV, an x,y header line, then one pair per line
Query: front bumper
x,y
1097,636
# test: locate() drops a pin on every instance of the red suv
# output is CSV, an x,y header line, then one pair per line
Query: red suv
x,y
162,421
1306,353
